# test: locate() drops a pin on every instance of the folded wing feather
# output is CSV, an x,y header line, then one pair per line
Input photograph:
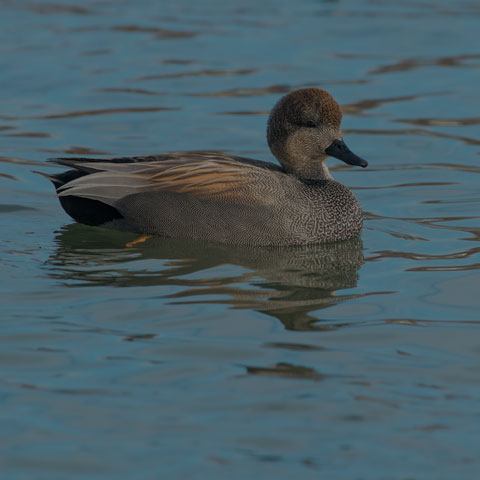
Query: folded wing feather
x,y
205,178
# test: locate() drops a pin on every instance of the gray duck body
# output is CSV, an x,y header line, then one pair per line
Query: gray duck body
x,y
222,198
296,214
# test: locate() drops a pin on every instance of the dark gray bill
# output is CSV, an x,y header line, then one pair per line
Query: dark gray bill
x,y
339,150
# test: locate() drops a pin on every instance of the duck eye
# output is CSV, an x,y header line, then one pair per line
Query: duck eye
x,y
310,124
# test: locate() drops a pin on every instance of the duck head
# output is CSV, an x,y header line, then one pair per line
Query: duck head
x,y
304,129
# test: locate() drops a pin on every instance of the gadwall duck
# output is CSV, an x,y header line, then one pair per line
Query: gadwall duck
x,y
212,196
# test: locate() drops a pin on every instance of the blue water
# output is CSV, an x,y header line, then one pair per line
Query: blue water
x,y
181,360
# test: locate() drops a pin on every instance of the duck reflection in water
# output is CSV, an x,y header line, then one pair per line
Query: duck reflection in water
x,y
289,283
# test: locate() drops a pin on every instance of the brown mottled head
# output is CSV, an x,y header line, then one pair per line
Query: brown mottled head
x,y
304,128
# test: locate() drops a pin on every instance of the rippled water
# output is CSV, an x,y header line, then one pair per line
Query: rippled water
x,y
171,359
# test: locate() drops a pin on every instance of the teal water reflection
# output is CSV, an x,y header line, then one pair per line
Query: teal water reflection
x,y
287,283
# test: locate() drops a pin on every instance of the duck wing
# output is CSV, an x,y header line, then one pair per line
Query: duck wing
x,y
205,175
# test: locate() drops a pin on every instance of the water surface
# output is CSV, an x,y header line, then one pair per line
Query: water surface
x,y
172,359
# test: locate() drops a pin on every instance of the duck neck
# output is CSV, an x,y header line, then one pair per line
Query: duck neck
x,y
310,170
